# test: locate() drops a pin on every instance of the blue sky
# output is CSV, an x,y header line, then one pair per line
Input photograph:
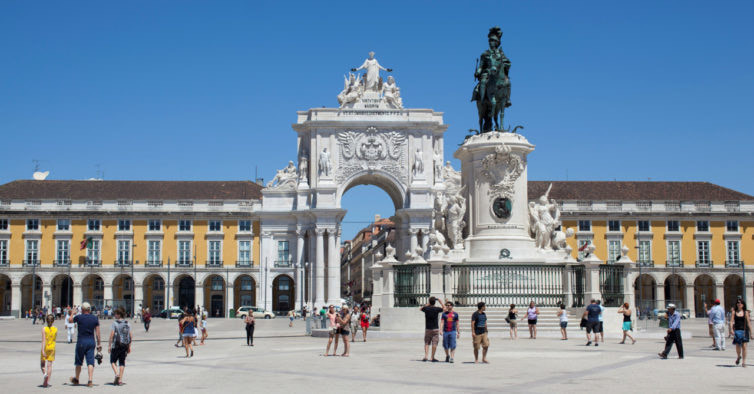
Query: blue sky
x,y
197,90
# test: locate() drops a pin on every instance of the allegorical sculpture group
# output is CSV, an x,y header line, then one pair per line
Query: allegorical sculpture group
x,y
355,86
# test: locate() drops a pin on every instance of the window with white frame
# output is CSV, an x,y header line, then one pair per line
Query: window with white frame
x,y
124,225
733,252
216,283
244,225
158,284
702,225
613,250
702,252
3,224
93,225
128,283
643,225
63,252
582,248
99,284
184,225
283,253
247,284
613,225
244,252
124,251
215,251
585,225
3,251
154,248
731,226
674,253
93,252
645,252
64,224
32,224
674,225
184,252
32,251
154,225
215,225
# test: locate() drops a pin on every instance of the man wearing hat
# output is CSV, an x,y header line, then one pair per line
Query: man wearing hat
x,y
717,317
88,340
674,333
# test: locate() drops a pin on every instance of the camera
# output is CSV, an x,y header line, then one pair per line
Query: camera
x,y
98,357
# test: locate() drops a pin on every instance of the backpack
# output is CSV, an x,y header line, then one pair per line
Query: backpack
x,y
122,333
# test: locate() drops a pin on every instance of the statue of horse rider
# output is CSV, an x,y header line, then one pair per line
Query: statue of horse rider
x,y
493,91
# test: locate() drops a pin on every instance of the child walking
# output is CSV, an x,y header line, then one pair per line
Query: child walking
x,y
49,335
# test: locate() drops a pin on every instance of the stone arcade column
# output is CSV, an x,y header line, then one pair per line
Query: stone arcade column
x,y
300,249
230,297
413,233
138,296
15,299
660,296
47,290
107,293
319,282
333,270
690,302
78,294
199,294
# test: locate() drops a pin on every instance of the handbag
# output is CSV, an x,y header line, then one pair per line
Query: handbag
x,y
508,320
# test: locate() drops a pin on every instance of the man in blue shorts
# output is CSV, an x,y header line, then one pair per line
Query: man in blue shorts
x,y
88,340
592,315
450,331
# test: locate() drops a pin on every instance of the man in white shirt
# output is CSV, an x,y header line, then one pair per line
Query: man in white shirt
x,y
717,317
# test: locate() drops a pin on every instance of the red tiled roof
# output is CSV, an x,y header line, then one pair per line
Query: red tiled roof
x,y
130,190
635,191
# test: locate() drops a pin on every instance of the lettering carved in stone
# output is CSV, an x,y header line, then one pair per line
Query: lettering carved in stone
x,y
371,150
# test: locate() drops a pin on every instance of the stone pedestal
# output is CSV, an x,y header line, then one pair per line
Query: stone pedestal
x,y
494,169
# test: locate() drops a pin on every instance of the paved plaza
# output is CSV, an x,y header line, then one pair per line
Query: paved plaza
x,y
285,360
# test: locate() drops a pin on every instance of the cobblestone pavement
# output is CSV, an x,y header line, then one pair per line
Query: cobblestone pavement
x,y
284,360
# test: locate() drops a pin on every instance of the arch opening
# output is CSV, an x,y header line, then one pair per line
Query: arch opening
x,y
733,286
154,293
93,291
645,288
283,294
184,294
704,293
245,291
214,296
5,295
675,291
123,292
62,290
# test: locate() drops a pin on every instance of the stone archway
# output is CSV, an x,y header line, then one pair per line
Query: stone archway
x,y
154,293
283,294
245,291
733,286
184,291
704,293
214,296
93,291
5,295
123,292
675,291
62,290
645,288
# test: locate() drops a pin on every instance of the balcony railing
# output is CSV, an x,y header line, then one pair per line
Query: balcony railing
x,y
734,263
674,263
244,263
62,263
123,263
30,263
213,263
4,263
645,263
283,264
154,263
93,263
703,263
184,263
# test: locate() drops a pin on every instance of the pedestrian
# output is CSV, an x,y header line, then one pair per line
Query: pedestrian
x,y
332,329
674,333
138,313
711,325
322,313
450,332
602,327
431,328
180,327
479,332
35,314
355,322
188,323
49,335
303,313
69,326
740,329
563,317
250,323
532,314
119,344
87,341
146,317
343,320
625,310
364,316
717,317
291,316
205,333
513,321
592,315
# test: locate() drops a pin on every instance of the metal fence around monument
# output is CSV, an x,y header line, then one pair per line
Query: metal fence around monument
x,y
611,285
411,285
578,285
502,285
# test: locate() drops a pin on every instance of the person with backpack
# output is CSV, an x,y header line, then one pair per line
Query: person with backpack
x,y
146,317
119,344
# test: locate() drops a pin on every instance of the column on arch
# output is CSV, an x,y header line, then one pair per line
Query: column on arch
x,y
15,298
319,286
333,269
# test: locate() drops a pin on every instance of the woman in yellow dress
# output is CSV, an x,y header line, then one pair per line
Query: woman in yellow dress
x,y
49,335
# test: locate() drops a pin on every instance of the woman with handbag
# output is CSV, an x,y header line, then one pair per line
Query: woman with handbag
x,y
250,323
332,328
740,329
626,312
512,320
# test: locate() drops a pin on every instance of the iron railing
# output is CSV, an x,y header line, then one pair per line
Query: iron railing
x,y
734,263
4,262
243,263
92,263
29,263
154,263
184,263
283,263
578,285
674,263
62,263
122,263
213,263
502,285
645,263
611,285
411,285
704,263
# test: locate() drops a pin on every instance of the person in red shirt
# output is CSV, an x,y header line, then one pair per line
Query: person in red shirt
x,y
450,331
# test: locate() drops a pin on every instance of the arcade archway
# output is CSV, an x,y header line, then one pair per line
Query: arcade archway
x,y
733,286
5,295
283,294
123,292
62,291
184,292
704,293
245,291
214,296
154,293
645,288
93,291
675,291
